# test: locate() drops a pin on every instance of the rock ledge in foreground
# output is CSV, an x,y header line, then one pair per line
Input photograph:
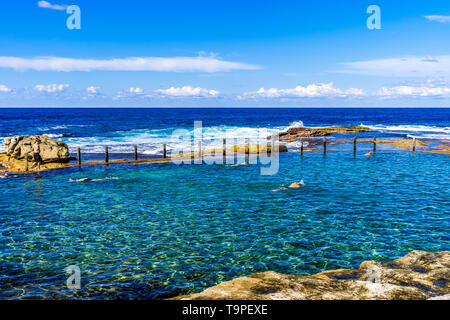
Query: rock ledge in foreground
x,y
418,275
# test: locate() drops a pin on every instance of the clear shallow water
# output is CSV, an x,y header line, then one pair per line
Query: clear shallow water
x,y
157,231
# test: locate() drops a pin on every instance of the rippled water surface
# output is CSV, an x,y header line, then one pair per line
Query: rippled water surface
x,y
156,231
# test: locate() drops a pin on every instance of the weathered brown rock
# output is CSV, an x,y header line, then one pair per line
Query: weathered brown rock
x,y
51,150
295,133
418,275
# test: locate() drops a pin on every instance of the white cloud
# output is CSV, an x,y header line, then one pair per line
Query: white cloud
x,y
136,90
319,90
51,88
414,91
187,91
4,88
92,89
132,92
173,64
48,5
413,66
438,18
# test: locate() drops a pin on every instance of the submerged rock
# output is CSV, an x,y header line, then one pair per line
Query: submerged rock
x,y
295,133
51,150
418,275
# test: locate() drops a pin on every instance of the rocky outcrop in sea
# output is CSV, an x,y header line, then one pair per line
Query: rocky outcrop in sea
x,y
303,132
51,150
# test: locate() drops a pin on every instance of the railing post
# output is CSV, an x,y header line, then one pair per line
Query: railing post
x,y
301,147
79,157
354,146
135,153
224,149
374,144
106,156
414,145
324,145
164,151
248,149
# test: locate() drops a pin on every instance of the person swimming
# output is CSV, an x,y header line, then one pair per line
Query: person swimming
x,y
80,180
368,154
91,180
295,185
246,163
6,176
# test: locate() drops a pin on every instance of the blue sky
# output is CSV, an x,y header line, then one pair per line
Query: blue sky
x,y
225,53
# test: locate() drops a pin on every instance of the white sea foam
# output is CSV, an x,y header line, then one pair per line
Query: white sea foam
x,y
53,135
66,126
150,141
409,128
414,131
295,124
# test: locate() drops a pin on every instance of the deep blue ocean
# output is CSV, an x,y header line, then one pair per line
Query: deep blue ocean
x,y
160,230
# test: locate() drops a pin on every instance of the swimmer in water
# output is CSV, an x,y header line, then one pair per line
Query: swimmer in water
x,y
238,164
368,154
295,185
6,176
90,180
80,180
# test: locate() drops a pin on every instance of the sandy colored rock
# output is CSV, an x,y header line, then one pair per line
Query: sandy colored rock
x,y
418,275
51,150
9,164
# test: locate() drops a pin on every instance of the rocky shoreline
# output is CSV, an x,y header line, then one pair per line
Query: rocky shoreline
x,y
55,154
416,276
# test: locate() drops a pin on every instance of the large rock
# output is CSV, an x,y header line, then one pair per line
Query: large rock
x,y
303,132
418,275
51,150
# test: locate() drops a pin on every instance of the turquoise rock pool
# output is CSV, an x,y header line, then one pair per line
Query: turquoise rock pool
x,y
157,231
